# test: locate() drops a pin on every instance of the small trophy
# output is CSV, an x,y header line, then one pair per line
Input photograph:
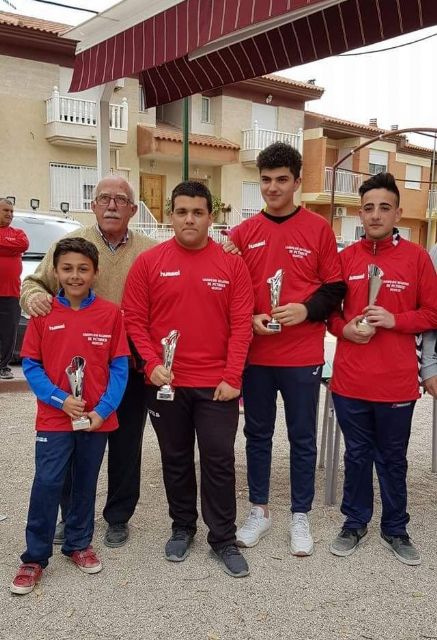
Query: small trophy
x,y
166,392
375,283
75,375
275,283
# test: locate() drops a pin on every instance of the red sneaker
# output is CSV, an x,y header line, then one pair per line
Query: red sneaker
x,y
87,560
28,575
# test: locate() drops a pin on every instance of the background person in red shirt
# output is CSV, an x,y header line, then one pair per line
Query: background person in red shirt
x,y
13,243
190,285
302,244
375,378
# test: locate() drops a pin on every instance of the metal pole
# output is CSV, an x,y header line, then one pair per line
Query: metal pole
x,y
185,141
429,239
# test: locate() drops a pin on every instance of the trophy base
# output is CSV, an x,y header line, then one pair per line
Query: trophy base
x,y
165,393
274,325
364,328
81,423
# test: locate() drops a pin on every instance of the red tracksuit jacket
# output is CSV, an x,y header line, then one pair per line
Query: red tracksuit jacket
x,y
385,369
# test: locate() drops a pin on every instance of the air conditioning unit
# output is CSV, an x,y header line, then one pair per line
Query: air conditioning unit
x,y
340,212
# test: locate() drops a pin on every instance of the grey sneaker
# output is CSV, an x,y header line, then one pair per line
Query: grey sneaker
x,y
6,374
116,535
347,541
403,548
234,564
59,533
178,546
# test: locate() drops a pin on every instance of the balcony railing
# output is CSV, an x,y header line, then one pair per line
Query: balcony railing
x,y
84,112
149,225
256,138
161,232
345,181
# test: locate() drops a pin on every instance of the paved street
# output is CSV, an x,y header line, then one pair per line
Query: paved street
x,y
140,595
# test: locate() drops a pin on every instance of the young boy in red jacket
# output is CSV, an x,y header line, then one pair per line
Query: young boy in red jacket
x,y
79,324
375,379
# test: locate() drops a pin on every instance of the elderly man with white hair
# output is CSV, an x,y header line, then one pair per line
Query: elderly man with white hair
x,y
114,205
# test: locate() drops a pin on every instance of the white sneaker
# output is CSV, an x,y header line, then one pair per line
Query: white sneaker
x,y
255,528
301,540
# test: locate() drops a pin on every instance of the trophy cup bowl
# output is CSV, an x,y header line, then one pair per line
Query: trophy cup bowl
x,y
166,392
275,283
75,374
375,275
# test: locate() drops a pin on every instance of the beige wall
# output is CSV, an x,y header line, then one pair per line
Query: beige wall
x,y
24,169
231,183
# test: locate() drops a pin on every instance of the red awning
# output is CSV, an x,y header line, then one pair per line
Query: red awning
x,y
199,45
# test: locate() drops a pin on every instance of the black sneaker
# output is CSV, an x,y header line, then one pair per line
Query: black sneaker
x,y
116,535
403,548
178,546
234,564
6,374
347,541
59,537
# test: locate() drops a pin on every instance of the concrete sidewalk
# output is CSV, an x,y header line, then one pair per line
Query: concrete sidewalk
x,y
139,595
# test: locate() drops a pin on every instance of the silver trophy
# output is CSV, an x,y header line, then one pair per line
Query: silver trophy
x,y
75,374
375,275
166,392
275,283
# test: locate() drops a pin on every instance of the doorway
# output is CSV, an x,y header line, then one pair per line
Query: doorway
x,y
151,192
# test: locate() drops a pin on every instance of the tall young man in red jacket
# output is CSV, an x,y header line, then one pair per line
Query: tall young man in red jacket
x,y
301,243
375,380
190,285
13,243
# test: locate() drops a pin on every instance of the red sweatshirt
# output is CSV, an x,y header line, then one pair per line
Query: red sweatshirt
x,y
304,247
96,333
13,243
385,369
207,296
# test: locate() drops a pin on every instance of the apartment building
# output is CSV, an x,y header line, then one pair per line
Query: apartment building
x,y
228,128
51,134
327,140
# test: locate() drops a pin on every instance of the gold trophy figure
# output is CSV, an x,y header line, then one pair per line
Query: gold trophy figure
x,y
375,275
75,374
166,392
275,283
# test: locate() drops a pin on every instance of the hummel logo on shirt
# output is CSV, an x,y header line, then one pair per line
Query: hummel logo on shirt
x,y
255,245
55,327
170,274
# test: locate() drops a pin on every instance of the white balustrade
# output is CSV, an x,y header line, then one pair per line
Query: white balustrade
x,y
345,181
84,112
161,232
256,138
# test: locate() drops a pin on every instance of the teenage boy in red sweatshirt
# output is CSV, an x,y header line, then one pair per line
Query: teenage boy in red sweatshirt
x,y
301,243
375,379
190,285
79,324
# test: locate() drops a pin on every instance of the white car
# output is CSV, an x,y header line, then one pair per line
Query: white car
x,y
42,231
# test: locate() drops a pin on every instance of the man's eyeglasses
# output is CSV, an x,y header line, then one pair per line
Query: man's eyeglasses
x,y
120,201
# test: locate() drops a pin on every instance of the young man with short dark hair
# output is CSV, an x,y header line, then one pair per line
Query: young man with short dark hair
x,y
301,243
375,378
190,285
